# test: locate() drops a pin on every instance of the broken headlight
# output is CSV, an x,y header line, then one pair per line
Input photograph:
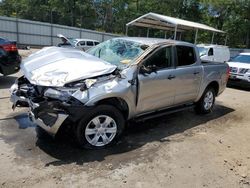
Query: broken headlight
x,y
58,94
90,82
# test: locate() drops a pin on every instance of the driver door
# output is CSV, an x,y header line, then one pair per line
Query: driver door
x,y
156,88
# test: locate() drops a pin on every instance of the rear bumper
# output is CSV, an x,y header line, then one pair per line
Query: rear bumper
x,y
10,66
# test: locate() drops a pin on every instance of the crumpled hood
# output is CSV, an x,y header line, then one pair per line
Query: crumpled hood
x,y
54,66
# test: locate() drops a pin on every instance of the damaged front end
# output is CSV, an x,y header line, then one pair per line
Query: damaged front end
x,y
49,107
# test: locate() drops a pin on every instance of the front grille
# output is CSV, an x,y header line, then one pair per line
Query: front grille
x,y
243,71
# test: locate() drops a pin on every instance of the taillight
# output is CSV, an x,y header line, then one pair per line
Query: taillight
x,y
9,47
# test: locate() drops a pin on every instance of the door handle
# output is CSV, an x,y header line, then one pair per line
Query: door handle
x,y
170,77
196,73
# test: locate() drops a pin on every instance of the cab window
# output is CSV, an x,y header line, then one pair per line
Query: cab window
x,y
162,58
185,55
90,43
210,52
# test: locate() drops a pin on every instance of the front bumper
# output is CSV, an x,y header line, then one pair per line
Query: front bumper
x,y
48,117
50,129
50,114
240,80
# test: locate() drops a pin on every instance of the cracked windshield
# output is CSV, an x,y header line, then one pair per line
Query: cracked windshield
x,y
118,52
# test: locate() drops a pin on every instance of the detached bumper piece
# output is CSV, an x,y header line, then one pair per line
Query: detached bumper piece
x,y
46,116
50,128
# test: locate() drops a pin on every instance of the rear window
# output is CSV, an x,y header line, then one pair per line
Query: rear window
x,y
185,55
90,43
96,43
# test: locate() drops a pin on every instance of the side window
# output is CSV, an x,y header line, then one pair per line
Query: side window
x,y
210,52
162,58
82,43
90,43
96,43
185,55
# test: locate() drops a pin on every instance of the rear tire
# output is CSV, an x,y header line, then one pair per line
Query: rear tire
x,y
101,127
206,102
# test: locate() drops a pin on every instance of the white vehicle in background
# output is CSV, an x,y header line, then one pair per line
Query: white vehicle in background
x,y
212,52
240,70
82,44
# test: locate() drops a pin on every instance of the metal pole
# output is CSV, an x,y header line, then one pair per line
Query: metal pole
x,y
17,30
212,38
196,35
81,29
226,40
165,35
126,30
17,27
51,27
175,32
180,35
103,37
147,32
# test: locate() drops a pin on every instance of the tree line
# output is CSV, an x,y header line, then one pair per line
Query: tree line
x,y
232,16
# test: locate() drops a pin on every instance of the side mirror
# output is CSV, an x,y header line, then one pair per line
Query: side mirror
x,y
147,69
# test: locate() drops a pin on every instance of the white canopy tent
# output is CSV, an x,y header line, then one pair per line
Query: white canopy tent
x,y
158,21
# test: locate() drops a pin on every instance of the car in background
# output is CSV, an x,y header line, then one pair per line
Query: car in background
x,y
9,57
212,52
240,70
82,44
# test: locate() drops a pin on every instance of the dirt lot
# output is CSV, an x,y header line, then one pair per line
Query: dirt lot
x,y
179,150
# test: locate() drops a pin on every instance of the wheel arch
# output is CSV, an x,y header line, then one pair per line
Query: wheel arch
x,y
215,86
118,103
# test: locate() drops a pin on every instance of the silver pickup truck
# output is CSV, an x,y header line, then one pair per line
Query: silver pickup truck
x,y
122,79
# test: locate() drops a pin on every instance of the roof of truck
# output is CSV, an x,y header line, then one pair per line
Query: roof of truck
x,y
211,46
153,41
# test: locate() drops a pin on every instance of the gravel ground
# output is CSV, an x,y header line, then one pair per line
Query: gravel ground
x,y
178,150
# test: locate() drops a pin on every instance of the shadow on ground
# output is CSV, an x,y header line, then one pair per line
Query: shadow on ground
x,y
65,150
136,135
238,86
7,81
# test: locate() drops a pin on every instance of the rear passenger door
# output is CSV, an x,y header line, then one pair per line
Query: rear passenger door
x,y
188,74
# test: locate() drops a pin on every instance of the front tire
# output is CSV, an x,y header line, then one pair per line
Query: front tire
x,y
206,102
101,127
